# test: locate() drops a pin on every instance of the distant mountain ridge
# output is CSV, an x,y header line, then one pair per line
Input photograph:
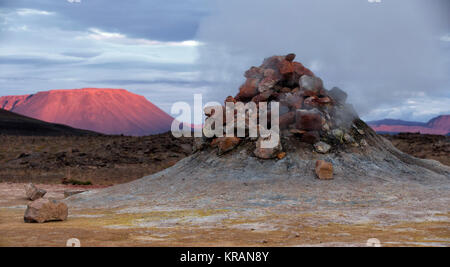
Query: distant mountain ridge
x,y
103,110
438,125
16,124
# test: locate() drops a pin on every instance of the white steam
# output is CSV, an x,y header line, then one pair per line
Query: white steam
x,y
380,53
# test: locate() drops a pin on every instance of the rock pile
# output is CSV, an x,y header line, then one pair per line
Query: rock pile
x,y
41,210
308,111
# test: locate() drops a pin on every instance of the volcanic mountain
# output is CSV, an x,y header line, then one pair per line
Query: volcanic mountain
x,y
439,125
108,111
16,124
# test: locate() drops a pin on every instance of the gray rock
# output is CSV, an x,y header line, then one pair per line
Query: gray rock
x,y
310,83
322,147
33,193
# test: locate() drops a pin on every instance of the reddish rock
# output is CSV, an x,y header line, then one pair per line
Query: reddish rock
x,y
272,63
309,120
267,83
293,101
269,73
311,102
308,93
254,73
225,144
285,90
324,100
287,119
300,70
248,90
33,193
310,137
44,210
290,57
324,170
281,155
286,67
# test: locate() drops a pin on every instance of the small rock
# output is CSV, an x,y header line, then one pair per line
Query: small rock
x,y
248,90
254,73
300,70
311,83
286,67
281,155
267,83
309,120
287,119
348,138
225,144
310,137
324,100
68,193
290,57
311,102
199,144
363,143
324,170
45,210
322,147
338,134
33,193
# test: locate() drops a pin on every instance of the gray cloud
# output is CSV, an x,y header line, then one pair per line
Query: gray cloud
x,y
174,20
382,54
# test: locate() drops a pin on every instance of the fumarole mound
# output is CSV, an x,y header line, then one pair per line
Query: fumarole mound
x,y
308,113
321,137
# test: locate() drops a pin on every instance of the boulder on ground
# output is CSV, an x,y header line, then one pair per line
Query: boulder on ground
x,y
45,210
33,193
324,170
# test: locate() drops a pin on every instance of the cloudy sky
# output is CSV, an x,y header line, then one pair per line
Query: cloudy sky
x,y
393,57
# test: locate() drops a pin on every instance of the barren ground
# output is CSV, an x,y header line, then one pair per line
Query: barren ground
x,y
208,227
342,212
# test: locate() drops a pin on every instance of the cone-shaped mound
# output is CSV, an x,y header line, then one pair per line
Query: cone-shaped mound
x,y
316,124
